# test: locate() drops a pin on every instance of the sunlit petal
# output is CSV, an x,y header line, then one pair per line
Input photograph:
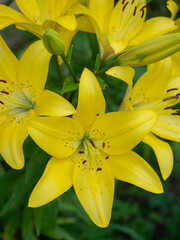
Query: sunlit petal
x,y
163,153
124,73
173,8
94,185
56,179
90,100
132,168
69,22
56,136
119,132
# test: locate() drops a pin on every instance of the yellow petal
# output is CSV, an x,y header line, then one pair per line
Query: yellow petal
x,y
43,8
8,63
9,16
12,137
152,84
52,104
33,69
69,22
122,131
154,27
124,73
94,186
101,11
56,179
173,8
91,101
31,27
176,61
126,20
117,45
57,136
133,169
163,153
30,9
84,24
168,127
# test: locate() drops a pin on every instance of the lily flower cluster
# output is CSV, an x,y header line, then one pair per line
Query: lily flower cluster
x,y
90,148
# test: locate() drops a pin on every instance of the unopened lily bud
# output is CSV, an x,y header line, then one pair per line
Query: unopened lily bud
x,y
53,42
151,51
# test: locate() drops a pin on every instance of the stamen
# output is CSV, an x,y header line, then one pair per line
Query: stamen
x,y
98,169
4,81
142,13
92,143
143,7
170,98
177,114
173,107
125,6
178,94
5,92
132,2
103,144
135,9
123,1
81,152
84,161
107,157
1,102
172,89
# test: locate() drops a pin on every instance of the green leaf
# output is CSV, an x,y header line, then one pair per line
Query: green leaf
x,y
69,56
69,85
27,233
102,83
97,63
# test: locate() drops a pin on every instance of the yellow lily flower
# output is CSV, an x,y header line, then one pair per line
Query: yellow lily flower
x,y
123,25
159,91
90,150
22,97
39,15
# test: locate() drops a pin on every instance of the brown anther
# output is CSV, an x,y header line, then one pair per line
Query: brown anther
x,y
98,169
103,144
143,7
5,92
84,162
175,114
170,98
135,9
107,157
81,152
4,81
92,143
173,107
125,6
132,1
123,1
1,102
178,94
172,89
142,15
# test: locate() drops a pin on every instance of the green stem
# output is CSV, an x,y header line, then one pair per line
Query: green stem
x,y
104,69
55,58
69,68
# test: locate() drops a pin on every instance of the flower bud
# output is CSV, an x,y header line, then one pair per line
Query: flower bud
x,y
53,42
150,51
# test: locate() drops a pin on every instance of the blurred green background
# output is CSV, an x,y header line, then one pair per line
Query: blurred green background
x,y
136,214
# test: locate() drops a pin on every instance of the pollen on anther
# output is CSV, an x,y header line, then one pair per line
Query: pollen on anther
x,y
5,92
125,6
123,1
135,9
132,1
84,162
81,152
4,81
172,89
2,102
92,143
103,144
175,114
173,107
98,169
107,157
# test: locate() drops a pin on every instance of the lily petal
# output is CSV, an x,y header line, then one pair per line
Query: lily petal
x,y
9,16
168,127
57,136
30,9
163,153
101,11
52,104
119,132
154,27
133,169
8,63
94,186
152,84
56,179
33,69
12,137
91,99
173,8
69,22
124,73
